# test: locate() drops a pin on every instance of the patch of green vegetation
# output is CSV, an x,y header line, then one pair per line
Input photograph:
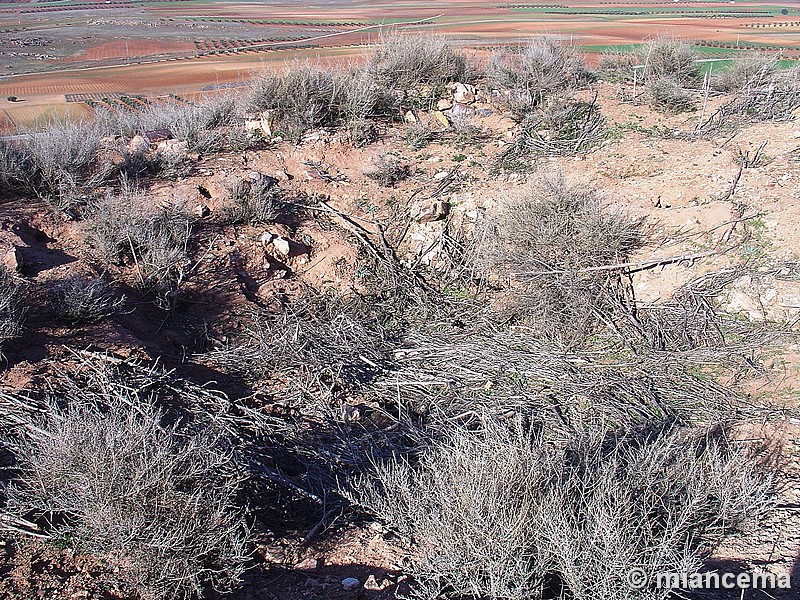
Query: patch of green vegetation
x,y
600,49
458,293
757,244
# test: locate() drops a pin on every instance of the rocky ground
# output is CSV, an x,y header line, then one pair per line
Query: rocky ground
x,y
679,183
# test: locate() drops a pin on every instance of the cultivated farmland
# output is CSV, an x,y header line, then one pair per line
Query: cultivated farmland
x,y
110,47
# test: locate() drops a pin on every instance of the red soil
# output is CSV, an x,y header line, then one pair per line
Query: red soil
x,y
123,49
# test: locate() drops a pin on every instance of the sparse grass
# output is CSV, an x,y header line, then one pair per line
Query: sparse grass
x,y
111,475
543,240
79,300
128,229
506,511
405,61
252,200
668,96
11,316
528,75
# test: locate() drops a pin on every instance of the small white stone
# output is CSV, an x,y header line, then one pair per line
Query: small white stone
x,y
281,244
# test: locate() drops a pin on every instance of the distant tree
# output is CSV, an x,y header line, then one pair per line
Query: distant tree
x,y
12,98
784,11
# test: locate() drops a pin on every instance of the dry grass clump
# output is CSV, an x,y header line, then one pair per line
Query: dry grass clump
x,y
107,472
418,135
667,95
11,316
252,200
504,511
387,169
617,65
212,125
309,95
404,61
324,344
672,58
81,300
528,75
548,242
748,70
59,163
128,229
559,127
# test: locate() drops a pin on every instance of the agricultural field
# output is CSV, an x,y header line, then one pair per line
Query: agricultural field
x,y
67,47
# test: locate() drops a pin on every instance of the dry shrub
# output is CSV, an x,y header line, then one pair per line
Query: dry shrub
x,y
130,229
110,474
504,511
418,135
362,131
559,127
387,169
776,100
404,61
748,70
309,95
323,344
252,200
528,75
211,125
13,165
670,58
205,127
11,316
61,163
667,95
547,240
80,300
618,64
453,377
